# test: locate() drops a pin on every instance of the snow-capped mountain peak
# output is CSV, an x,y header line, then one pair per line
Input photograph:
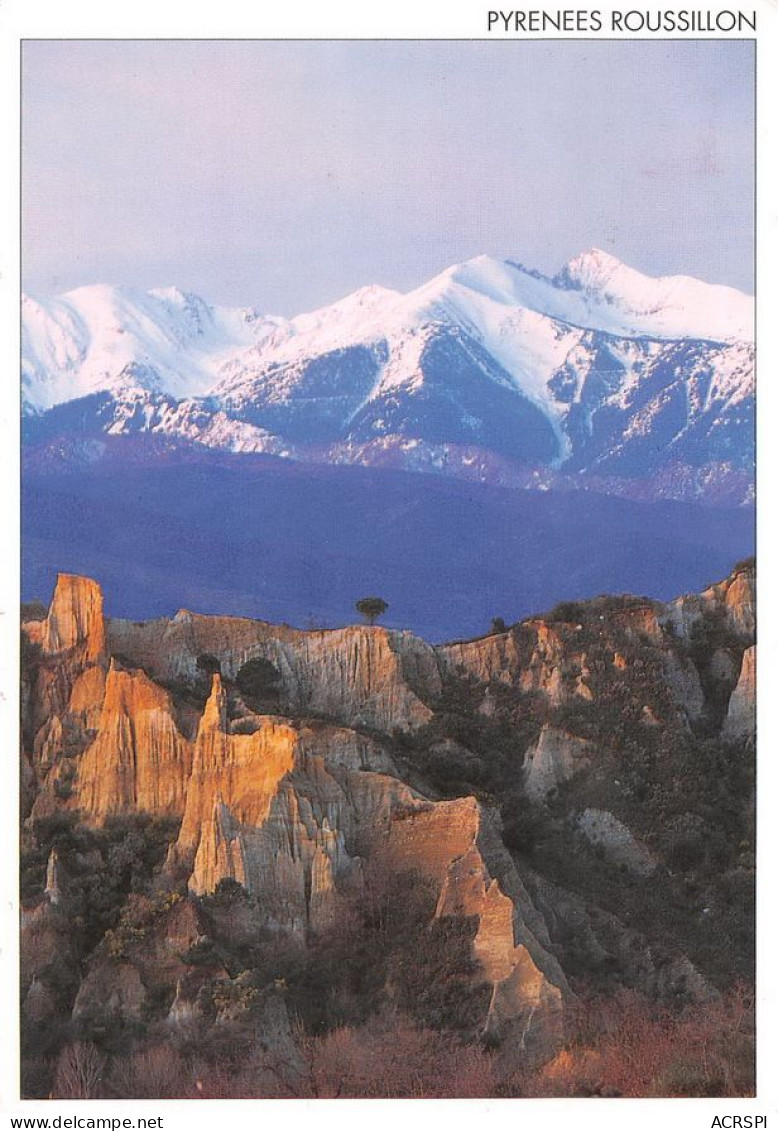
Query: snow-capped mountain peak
x,y
82,341
594,291
598,369
676,306
590,268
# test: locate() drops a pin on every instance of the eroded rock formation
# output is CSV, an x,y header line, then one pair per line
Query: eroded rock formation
x,y
741,712
553,759
306,806
733,600
75,620
362,675
604,830
139,761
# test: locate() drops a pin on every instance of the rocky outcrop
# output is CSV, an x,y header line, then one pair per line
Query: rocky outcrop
x,y
163,930
550,657
111,990
282,810
583,934
53,888
553,759
72,643
75,619
740,721
532,656
291,813
280,1069
28,784
363,676
496,657
733,600
46,940
457,846
39,1006
684,682
49,743
306,808
371,677
619,845
86,698
139,761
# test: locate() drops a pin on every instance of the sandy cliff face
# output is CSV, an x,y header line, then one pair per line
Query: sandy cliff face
x,y
741,713
733,600
139,761
64,688
75,619
533,656
86,698
121,726
456,845
362,675
367,676
564,660
292,813
551,657
284,810
495,657
553,759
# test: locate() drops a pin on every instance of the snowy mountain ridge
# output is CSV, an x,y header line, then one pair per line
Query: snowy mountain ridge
x,y
600,370
81,342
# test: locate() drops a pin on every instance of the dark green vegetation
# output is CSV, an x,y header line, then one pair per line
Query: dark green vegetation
x,y
259,681
384,956
102,865
382,1004
371,608
100,870
33,610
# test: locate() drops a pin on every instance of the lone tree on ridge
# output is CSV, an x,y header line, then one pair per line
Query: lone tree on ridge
x,y
371,608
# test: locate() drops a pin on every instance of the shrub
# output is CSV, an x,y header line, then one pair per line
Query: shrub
x,y
569,612
523,825
202,953
79,1072
392,1056
627,1045
30,653
208,665
33,610
227,893
258,679
155,1073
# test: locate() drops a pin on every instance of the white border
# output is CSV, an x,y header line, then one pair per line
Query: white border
x,y
402,19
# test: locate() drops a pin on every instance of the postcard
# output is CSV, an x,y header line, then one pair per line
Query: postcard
x,y
387,577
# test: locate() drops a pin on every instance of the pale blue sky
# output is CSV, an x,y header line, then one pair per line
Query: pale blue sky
x,y
286,174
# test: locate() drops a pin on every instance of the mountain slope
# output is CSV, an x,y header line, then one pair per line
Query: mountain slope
x,y
102,337
289,542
